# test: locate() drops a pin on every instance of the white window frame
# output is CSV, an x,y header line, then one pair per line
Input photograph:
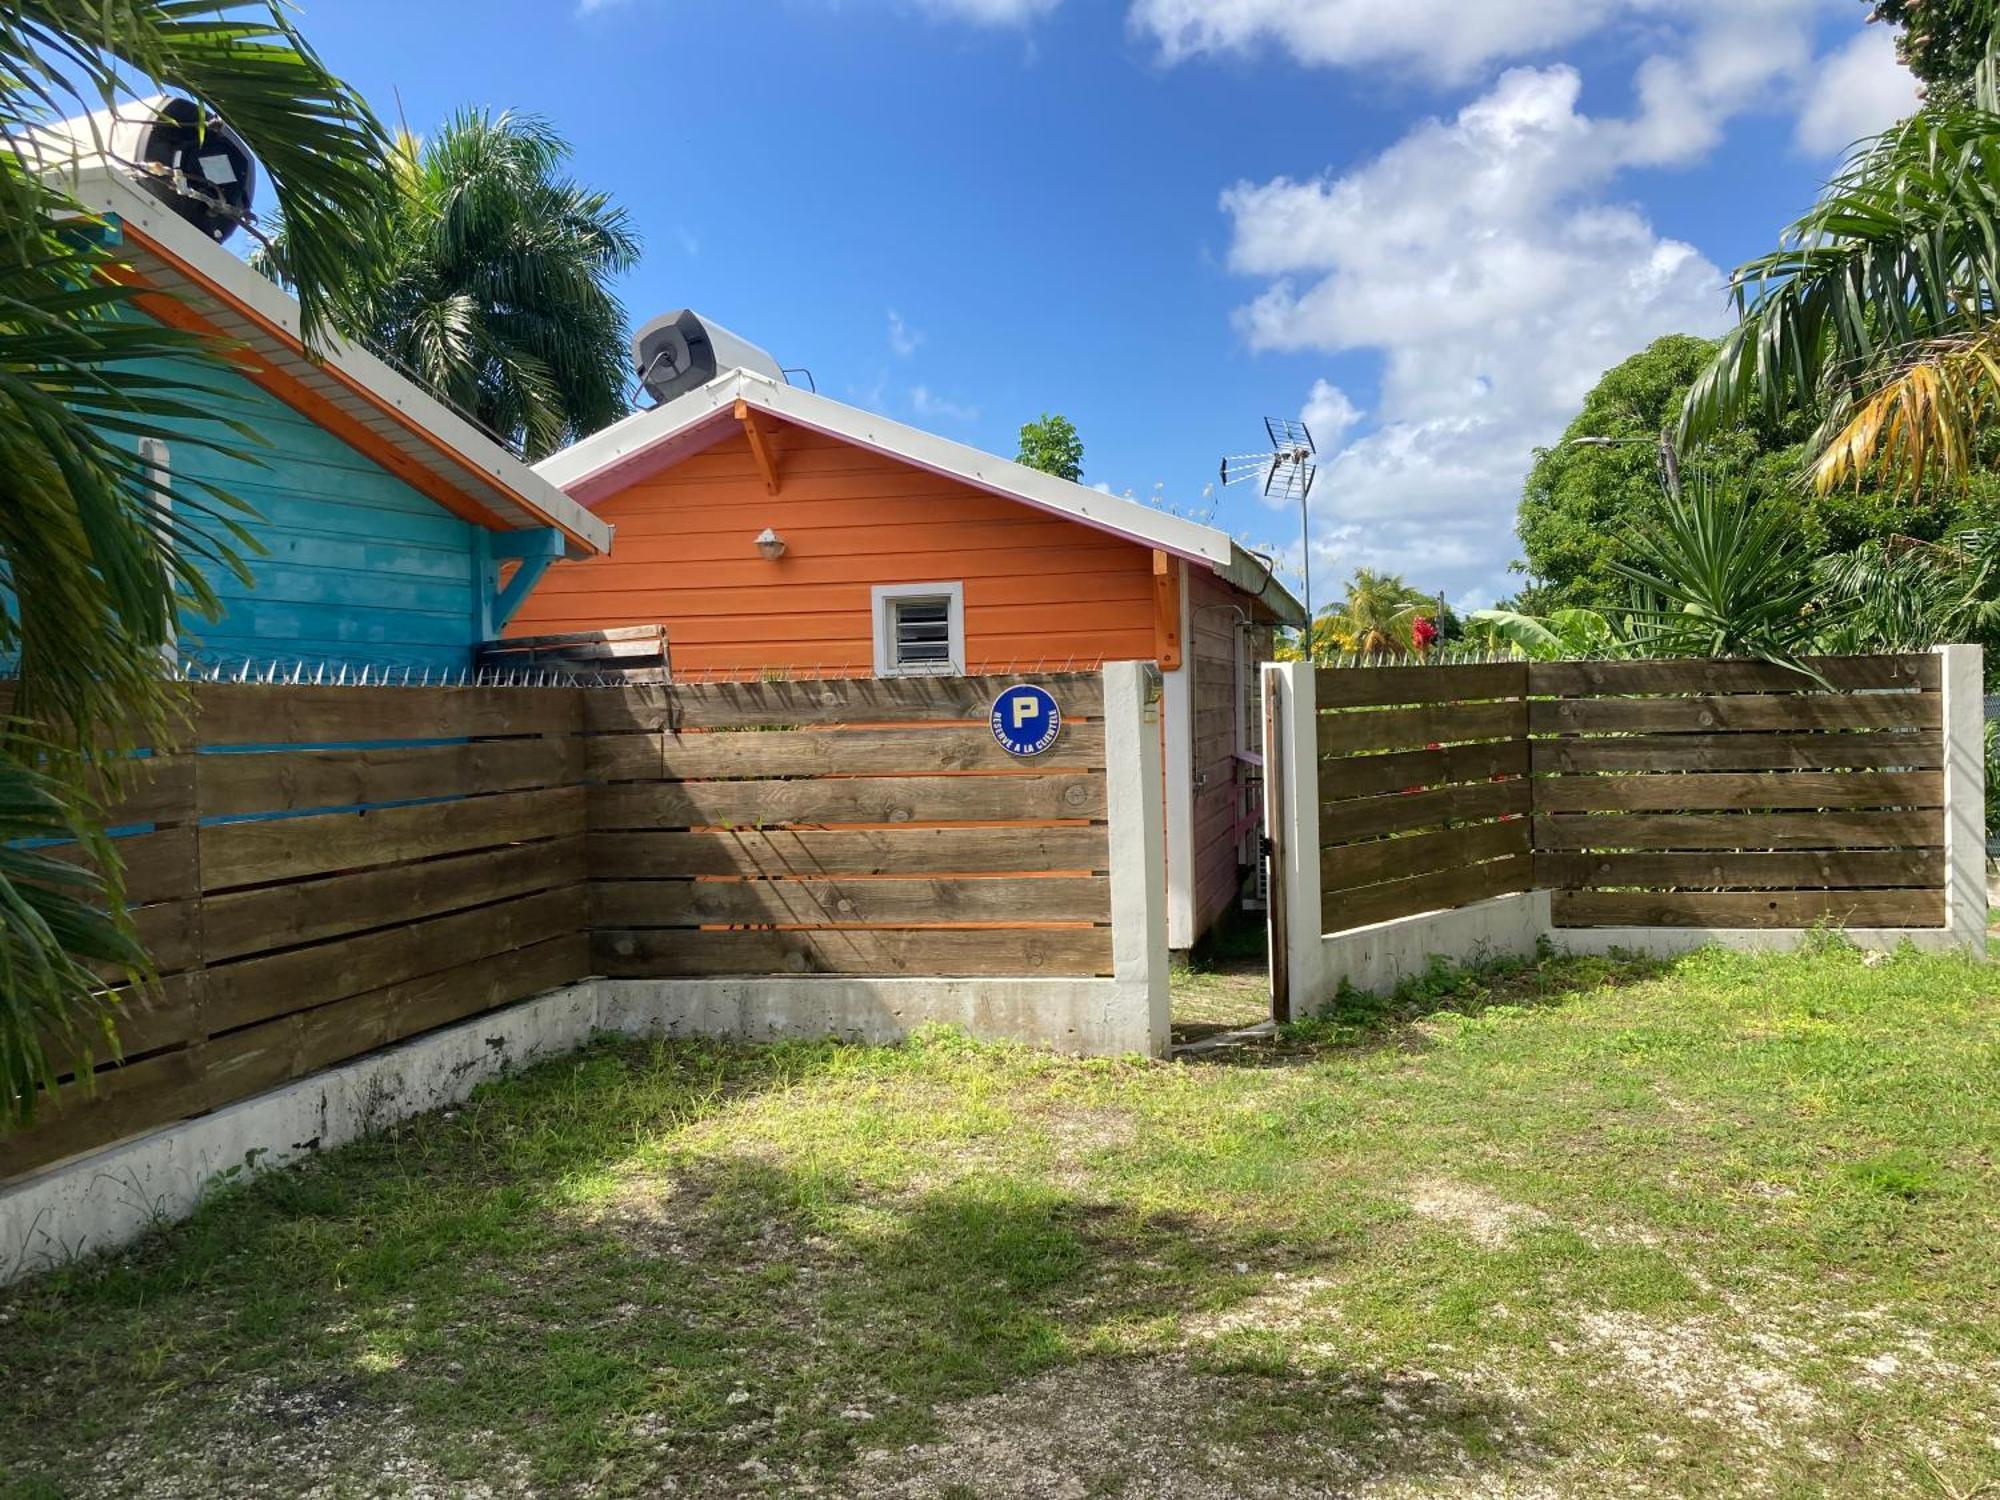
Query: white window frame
x,y
887,596
158,460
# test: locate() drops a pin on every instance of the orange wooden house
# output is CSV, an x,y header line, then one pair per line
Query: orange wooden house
x,y
772,530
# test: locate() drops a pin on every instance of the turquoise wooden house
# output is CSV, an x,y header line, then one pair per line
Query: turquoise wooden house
x,y
395,533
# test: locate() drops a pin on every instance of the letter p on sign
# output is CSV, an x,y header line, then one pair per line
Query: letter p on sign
x,y
1026,707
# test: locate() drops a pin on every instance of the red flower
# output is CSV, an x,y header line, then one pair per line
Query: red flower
x,y
1423,632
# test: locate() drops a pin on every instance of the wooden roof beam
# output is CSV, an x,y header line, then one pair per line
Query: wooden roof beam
x,y
763,445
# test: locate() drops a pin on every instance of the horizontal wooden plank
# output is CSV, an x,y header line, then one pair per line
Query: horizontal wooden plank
x,y
1748,908
1843,673
858,700
1844,869
628,634
256,989
145,1018
169,1086
153,789
157,866
1724,791
1752,711
662,953
1419,854
834,752
830,903
229,713
1407,812
1355,687
334,1033
243,782
118,1101
857,851
240,923
1344,910
1414,770
1824,830
235,854
884,799
1904,750
171,934
1417,728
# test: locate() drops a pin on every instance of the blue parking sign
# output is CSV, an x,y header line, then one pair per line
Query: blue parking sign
x,y
1026,720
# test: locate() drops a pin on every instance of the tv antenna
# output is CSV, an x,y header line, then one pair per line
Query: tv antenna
x,y
1286,472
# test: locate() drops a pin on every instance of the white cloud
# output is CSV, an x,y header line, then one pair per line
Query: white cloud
x,y
1479,259
1328,413
903,339
1861,89
1444,40
927,403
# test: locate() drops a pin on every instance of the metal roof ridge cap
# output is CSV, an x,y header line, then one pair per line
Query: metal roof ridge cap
x,y
1207,543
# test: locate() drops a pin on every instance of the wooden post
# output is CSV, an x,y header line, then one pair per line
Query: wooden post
x,y
1965,795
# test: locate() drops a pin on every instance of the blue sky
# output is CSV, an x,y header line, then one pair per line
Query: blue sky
x,y
1427,225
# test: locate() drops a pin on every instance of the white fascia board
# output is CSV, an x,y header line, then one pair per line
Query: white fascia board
x,y
630,437
106,190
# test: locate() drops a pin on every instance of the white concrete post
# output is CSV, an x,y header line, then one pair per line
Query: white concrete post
x,y
1291,813
1177,706
1965,795
1138,852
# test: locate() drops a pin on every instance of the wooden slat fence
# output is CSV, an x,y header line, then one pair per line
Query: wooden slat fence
x,y
857,826
1642,794
1740,794
1423,787
320,871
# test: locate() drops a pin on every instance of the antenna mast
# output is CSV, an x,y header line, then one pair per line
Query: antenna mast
x,y
1286,472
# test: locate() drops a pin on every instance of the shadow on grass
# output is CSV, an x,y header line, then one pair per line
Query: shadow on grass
x,y
1358,1020
538,1293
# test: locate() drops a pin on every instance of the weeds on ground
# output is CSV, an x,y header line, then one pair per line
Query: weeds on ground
x,y
1719,1226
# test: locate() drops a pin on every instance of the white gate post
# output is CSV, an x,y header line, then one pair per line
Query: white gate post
x,y
1135,809
1965,795
1291,823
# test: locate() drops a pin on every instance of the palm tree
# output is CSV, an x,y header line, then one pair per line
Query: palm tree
x,y
97,565
1377,617
494,285
1881,308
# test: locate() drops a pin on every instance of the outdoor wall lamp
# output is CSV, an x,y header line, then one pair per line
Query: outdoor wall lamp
x,y
770,544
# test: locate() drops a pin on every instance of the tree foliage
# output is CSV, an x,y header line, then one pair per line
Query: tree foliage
x,y
1579,501
1053,446
1941,41
98,566
493,282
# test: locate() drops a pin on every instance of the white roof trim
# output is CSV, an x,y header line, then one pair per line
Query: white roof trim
x,y
628,442
105,189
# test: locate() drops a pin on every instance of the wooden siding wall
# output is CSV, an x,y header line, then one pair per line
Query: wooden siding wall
x,y
1662,793
1732,794
309,893
852,827
357,566
1215,621
1424,796
1041,591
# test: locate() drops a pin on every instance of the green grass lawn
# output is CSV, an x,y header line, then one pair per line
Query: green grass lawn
x,y
1716,1228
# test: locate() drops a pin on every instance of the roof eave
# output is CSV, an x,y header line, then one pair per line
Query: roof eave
x,y
425,419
